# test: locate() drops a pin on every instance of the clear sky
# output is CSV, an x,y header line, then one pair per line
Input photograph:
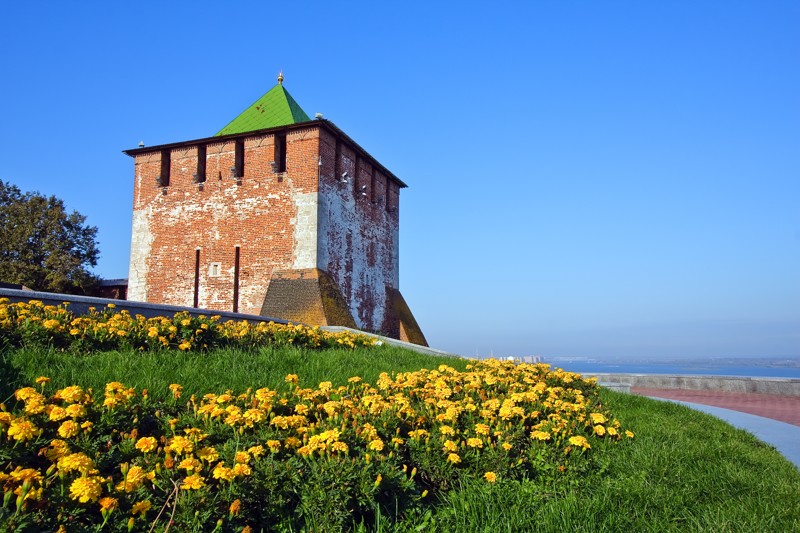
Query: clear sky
x,y
591,179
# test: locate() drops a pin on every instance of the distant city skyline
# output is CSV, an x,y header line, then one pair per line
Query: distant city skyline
x,y
584,180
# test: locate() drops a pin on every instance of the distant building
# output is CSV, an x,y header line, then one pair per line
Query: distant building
x,y
278,215
116,289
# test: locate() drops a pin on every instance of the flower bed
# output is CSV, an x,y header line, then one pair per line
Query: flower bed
x,y
34,323
319,455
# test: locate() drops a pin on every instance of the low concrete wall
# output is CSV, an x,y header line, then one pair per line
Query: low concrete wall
x,y
393,342
781,386
81,304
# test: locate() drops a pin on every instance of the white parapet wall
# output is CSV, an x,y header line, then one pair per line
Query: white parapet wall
x,y
781,386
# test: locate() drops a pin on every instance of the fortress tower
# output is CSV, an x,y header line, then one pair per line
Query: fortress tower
x,y
278,215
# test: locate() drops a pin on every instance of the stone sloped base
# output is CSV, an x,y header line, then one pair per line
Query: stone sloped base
x,y
308,296
403,321
311,296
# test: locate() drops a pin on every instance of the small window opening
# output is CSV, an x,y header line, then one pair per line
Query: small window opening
x,y
239,159
200,175
373,193
166,163
280,152
214,270
196,299
236,281
337,166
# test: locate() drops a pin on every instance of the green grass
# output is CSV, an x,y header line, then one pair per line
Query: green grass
x,y
215,371
684,471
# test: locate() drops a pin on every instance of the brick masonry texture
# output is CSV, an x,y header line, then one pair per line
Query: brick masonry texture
x,y
307,218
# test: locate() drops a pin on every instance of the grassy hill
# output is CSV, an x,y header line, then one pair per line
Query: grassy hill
x,y
684,470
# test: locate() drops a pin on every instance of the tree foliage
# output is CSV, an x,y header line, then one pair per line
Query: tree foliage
x,y
42,246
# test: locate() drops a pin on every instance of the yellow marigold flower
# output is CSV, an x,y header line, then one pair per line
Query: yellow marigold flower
x,y
274,445
41,380
26,393
454,458
506,446
85,489
222,472
375,445
449,446
340,447
180,445
34,406
235,507
579,440
57,413
76,462
474,443
491,477
540,435
193,482
108,504
597,418
599,430
87,426
141,507
68,429
71,394
301,409
185,345
176,390
57,449
242,457
256,451
629,434
134,477
190,463
265,395
446,430
207,454
76,410
481,429
146,444
292,378
254,416
292,442
23,474
354,379
417,433
22,429
241,469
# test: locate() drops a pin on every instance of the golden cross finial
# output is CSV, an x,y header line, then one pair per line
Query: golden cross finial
x,y
280,77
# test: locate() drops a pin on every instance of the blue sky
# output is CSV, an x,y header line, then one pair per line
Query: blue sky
x,y
587,179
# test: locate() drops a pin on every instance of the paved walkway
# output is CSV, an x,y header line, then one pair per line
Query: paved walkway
x,y
777,407
771,418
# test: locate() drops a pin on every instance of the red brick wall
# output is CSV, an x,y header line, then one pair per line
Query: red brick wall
x,y
303,218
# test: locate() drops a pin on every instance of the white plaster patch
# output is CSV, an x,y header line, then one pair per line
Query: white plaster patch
x,y
141,243
305,230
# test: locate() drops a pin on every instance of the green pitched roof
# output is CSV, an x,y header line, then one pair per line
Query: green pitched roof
x,y
276,108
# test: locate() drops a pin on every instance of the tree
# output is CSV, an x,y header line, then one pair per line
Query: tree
x,y
42,246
